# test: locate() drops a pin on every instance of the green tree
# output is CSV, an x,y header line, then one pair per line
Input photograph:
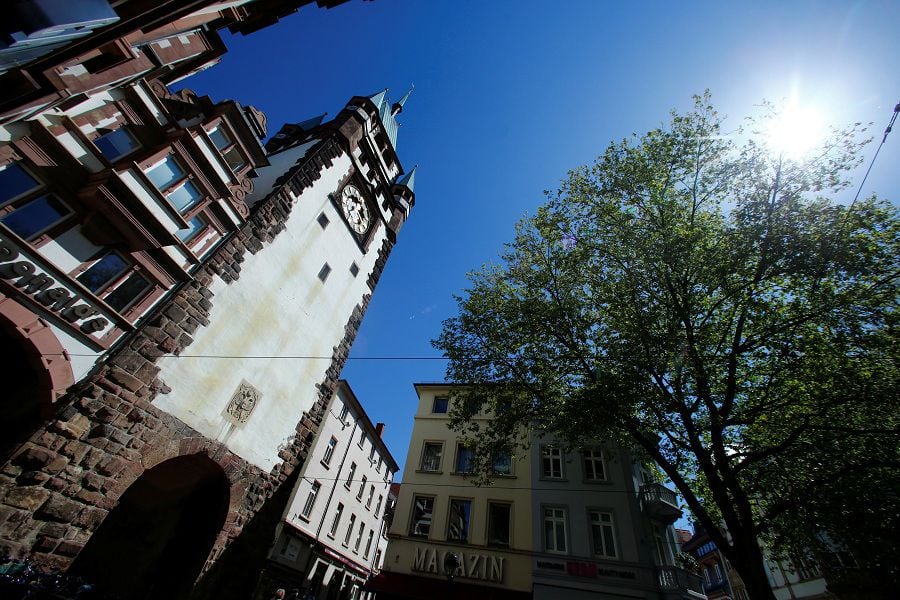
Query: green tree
x,y
701,300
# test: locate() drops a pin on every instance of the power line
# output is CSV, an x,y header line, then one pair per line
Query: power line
x,y
887,130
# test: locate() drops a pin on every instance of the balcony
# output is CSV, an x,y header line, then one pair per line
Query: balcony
x,y
678,583
660,503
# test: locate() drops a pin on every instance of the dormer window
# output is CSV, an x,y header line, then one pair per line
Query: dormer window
x,y
229,149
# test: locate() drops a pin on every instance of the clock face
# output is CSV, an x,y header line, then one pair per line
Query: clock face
x,y
355,210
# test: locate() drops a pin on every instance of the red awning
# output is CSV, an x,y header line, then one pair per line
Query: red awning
x,y
400,585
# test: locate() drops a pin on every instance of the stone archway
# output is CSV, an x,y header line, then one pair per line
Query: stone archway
x,y
34,369
154,543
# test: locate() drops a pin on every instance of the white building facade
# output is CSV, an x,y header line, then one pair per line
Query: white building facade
x,y
332,535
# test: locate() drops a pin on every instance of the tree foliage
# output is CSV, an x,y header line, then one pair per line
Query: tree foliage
x,y
711,303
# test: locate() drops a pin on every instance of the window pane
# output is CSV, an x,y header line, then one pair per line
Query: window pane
x,y
185,196
440,405
124,296
194,225
220,138
421,521
458,528
165,173
465,458
35,217
103,271
498,525
431,456
116,143
15,181
234,158
502,463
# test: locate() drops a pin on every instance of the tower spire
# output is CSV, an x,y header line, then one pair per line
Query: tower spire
x,y
397,108
409,179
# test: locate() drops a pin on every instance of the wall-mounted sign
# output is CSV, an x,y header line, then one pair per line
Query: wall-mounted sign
x,y
577,568
485,567
34,280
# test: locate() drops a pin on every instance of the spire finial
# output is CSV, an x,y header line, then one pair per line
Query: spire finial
x,y
398,106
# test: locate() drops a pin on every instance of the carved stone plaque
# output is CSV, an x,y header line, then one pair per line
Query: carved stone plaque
x,y
244,400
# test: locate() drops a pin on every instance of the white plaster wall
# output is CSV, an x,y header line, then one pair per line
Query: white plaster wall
x,y
333,477
278,308
69,250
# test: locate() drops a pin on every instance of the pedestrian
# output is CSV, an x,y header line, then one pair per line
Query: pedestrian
x,y
279,594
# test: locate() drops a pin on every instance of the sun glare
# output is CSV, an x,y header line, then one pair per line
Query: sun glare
x,y
795,131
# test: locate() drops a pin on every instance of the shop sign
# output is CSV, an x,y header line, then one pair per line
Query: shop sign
x,y
586,569
38,285
472,565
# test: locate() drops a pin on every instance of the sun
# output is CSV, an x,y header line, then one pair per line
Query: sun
x,y
795,130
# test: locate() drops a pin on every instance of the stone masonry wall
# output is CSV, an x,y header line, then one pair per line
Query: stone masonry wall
x,y
59,486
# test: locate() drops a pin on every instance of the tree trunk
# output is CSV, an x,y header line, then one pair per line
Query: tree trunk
x,y
748,562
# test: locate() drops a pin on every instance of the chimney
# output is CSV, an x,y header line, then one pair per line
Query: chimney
x,y
379,429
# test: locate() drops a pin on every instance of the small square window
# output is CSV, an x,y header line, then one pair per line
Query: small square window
x,y
324,272
129,292
102,272
441,404
35,217
354,269
195,225
14,182
323,220
116,144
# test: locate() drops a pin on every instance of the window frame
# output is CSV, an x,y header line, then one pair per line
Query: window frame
x,y
489,522
446,405
412,516
362,488
112,284
310,502
39,190
349,533
329,452
440,456
460,447
336,521
351,473
546,455
221,125
593,461
600,523
556,521
114,159
468,520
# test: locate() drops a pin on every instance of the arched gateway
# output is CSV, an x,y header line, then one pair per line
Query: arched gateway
x,y
155,542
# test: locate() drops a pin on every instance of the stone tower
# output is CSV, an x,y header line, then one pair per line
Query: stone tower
x,y
162,471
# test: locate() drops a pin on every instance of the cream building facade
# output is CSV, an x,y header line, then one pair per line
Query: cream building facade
x,y
555,523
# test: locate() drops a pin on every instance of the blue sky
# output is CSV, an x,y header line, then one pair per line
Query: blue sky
x,y
511,94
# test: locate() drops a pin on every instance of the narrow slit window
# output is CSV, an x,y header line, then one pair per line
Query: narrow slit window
x,y
324,272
